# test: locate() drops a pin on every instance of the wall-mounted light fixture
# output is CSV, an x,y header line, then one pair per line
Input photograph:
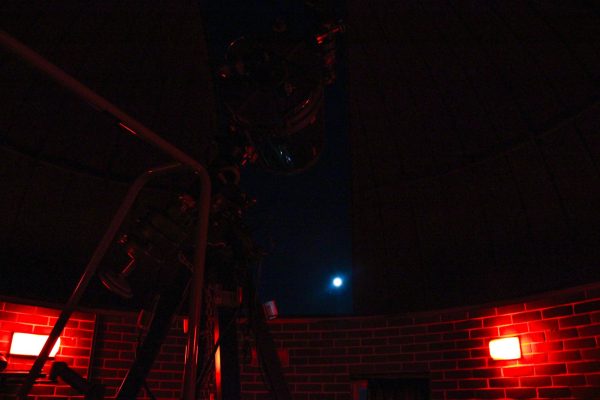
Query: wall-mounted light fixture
x,y
270,309
27,344
505,348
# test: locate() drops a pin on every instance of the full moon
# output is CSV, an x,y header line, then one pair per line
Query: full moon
x,y
337,281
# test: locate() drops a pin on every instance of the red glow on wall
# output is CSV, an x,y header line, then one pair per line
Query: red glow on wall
x,y
28,344
334,357
23,332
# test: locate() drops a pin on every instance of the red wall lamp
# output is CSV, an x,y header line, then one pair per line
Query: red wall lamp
x,y
508,348
27,344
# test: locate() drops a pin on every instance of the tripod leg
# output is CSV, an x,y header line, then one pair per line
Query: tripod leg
x,y
267,355
166,308
227,362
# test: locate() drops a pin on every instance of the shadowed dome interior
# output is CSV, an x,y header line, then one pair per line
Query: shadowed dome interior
x,y
474,131
64,166
475,143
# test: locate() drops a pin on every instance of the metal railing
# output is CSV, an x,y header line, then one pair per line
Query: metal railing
x,y
133,126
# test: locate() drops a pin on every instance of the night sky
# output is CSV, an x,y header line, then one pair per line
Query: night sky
x,y
302,220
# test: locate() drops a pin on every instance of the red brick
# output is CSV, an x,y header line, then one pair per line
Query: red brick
x,y
42,390
514,329
557,311
294,327
484,332
504,382
365,359
563,334
469,324
334,335
472,363
456,335
587,307
458,374
567,380
487,373
536,381
477,353
386,332
489,393
517,371
536,337
591,354
16,327
564,356
73,351
20,308
360,350
375,323
442,365
469,344
591,330
432,337
117,364
344,343
586,392
441,346
401,340
526,317
444,385
460,394
427,319
415,366
413,330
550,369
554,392
65,391
367,342
502,363
579,343
593,379
359,334
520,393
8,316
90,326
472,383
308,387
42,330
400,321
537,358
577,320
544,325
497,321
458,354
336,387
446,327
380,350
583,367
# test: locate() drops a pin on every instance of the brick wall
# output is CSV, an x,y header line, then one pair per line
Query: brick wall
x,y
75,348
326,358
114,353
111,342
559,333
